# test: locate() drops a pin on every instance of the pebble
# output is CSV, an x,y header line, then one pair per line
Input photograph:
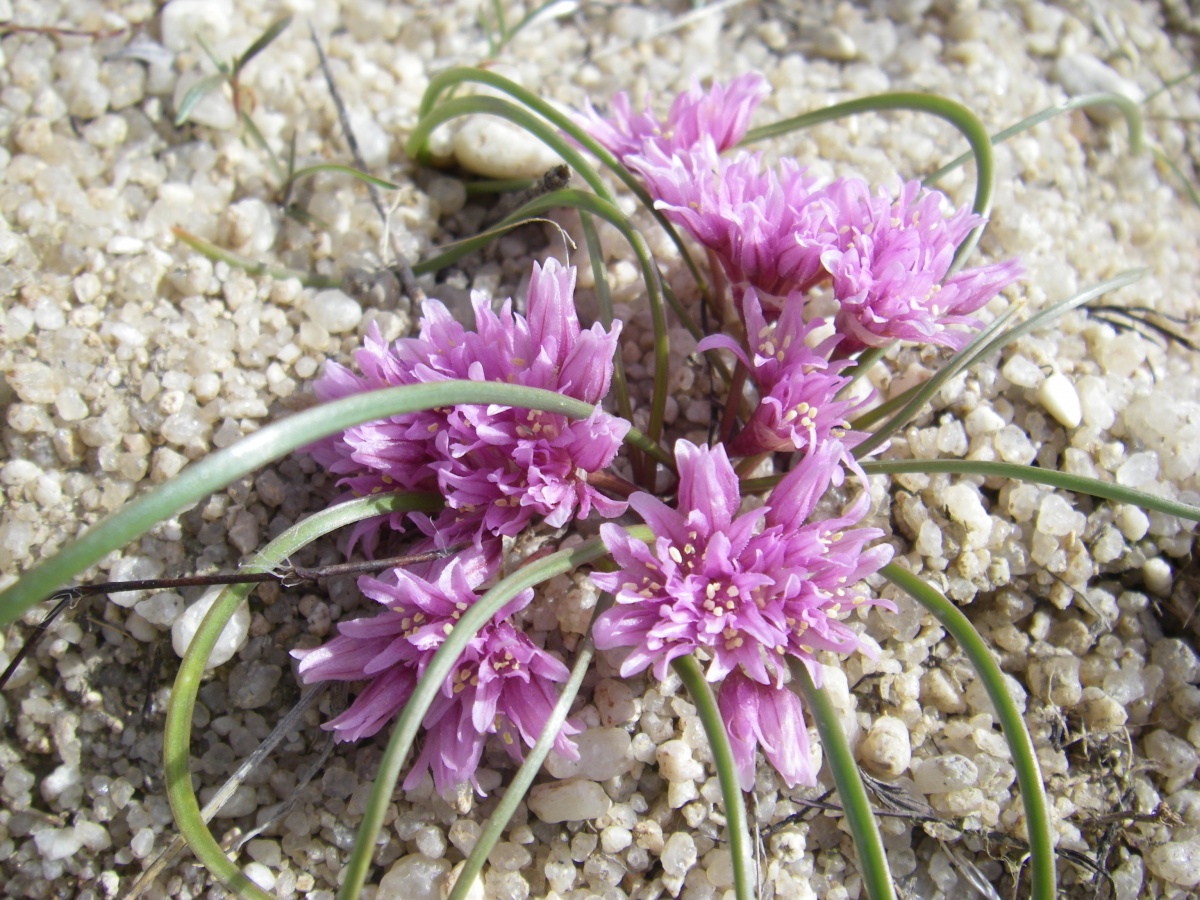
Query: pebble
x,y
495,148
413,877
944,773
184,21
568,801
334,311
886,747
1057,395
1177,862
675,762
58,843
1056,517
678,854
964,505
1082,73
252,683
1056,680
603,753
233,635
1172,756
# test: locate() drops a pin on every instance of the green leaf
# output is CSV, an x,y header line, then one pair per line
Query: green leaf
x,y
216,470
1020,744
195,94
345,170
264,40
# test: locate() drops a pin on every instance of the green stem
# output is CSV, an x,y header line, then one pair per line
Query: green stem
x,y
252,266
1020,744
737,829
954,113
518,788
872,860
218,469
1129,109
1077,483
438,670
453,77
177,734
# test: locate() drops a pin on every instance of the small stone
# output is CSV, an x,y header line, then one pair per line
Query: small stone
x,y
1172,756
252,683
615,702
232,636
132,568
1056,680
183,22
965,506
70,406
1157,576
944,773
1022,372
260,875
886,747
1138,470
161,609
495,148
57,843
675,762
18,472
35,382
1057,518
333,310
413,877
1177,862
124,245
679,854
1057,395
568,801
1082,73
1133,522
603,753
1014,445
615,839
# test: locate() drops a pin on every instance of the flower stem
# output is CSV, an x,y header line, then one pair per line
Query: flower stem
x,y
735,809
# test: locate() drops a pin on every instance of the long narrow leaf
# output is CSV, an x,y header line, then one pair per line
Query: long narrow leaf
x,y
264,40
1020,744
178,731
218,469
736,829
955,113
439,669
872,860
195,94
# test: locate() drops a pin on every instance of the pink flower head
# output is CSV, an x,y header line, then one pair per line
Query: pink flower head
x,y
797,383
733,585
768,228
746,590
768,716
497,466
722,115
502,684
889,264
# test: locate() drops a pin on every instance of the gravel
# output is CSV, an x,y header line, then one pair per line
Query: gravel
x,y
125,355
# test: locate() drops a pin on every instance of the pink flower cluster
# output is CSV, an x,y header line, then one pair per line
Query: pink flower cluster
x,y
498,468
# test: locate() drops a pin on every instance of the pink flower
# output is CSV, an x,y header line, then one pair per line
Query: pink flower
x,y
768,716
797,384
745,590
498,467
889,264
722,115
768,228
502,684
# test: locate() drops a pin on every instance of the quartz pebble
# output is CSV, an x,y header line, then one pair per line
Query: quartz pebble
x,y
333,310
944,773
603,753
413,877
232,636
497,149
1177,862
1059,398
886,747
568,801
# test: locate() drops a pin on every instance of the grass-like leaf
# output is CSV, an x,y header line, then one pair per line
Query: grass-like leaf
x,y
1129,109
408,724
736,829
178,731
251,266
1020,744
518,788
195,94
264,40
955,113
1079,484
219,469
345,170
984,345
872,860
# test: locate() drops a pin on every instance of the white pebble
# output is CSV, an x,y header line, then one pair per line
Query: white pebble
x,y
965,506
497,149
185,21
1057,395
124,245
161,609
944,773
1057,518
1139,469
886,747
675,762
603,753
18,472
333,310
232,636
1022,372
1082,73
57,843
679,854
414,877
1132,521
1177,862
568,801
1158,577
260,875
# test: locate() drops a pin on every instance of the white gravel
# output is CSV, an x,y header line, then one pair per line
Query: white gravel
x,y
125,355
